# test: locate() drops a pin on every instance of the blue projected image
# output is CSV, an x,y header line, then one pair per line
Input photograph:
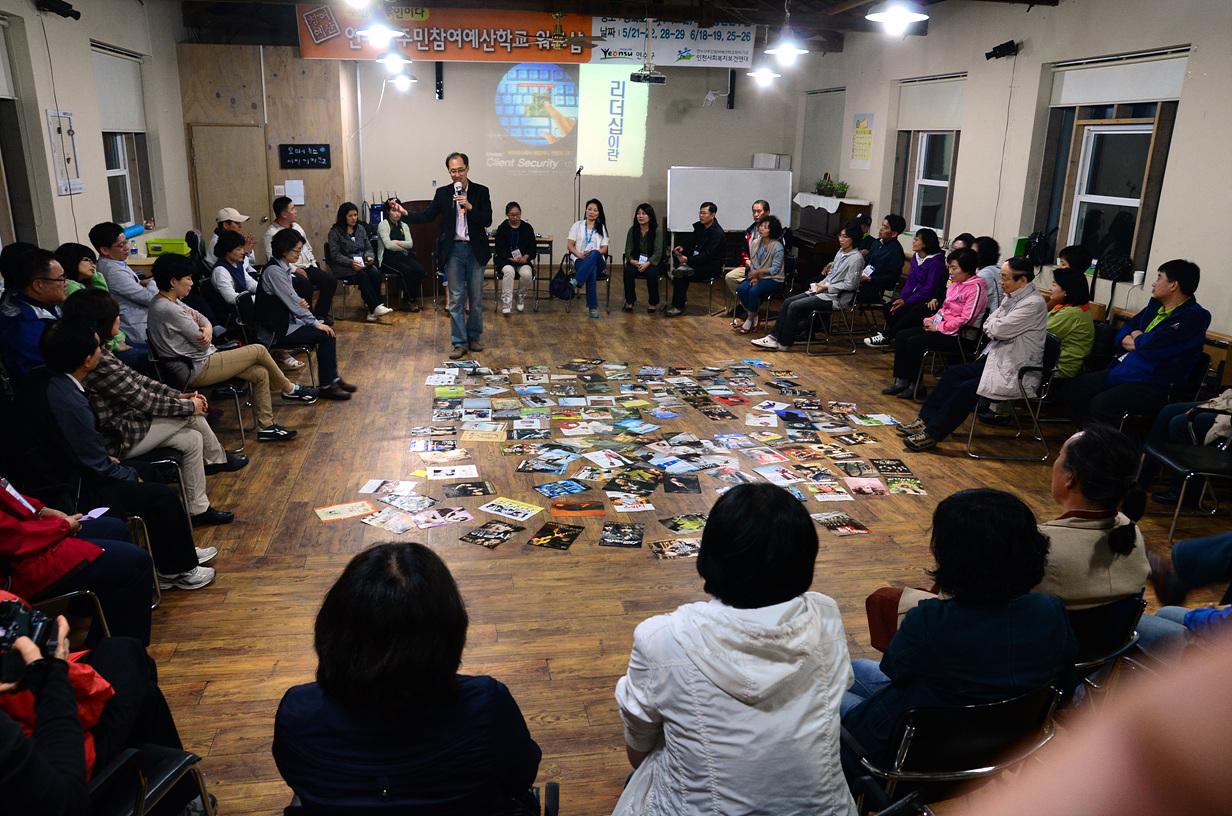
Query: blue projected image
x,y
537,103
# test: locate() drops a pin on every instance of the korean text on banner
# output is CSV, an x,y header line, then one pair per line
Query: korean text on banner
x,y
611,121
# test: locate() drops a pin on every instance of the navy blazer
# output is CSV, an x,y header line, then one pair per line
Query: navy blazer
x,y
471,755
477,220
950,653
1167,353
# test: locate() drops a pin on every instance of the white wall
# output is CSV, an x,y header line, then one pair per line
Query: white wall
x,y
405,143
1197,188
150,29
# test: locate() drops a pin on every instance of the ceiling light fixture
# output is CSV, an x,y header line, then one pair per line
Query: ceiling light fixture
x,y
393,62
403,82
896,16
378,34
358,4
764,76
788,47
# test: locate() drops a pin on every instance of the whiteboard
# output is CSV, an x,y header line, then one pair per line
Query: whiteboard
x,y
732,189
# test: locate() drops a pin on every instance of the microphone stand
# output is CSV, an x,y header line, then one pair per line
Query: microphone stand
x,y
577,193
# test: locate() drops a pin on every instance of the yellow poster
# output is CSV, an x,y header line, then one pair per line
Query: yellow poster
x,y
862,141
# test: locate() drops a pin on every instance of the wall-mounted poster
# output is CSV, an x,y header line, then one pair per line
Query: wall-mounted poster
x,y
862,141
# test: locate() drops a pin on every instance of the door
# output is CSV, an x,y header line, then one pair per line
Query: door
x,y
228,164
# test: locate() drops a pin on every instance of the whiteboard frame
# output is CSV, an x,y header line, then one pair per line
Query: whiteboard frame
x,y
780,202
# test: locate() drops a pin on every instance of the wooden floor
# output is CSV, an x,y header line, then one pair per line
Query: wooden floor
x,y
555,626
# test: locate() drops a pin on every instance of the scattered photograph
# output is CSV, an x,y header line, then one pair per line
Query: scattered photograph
x,y
511,508
441,516
412,503
463,490
630,503
685,522
436,474
618,534
388,486
839,523
681,484
891,467
491,533
338,512
672,548
556,536
564,487
581,508
905,486
391,520
862,486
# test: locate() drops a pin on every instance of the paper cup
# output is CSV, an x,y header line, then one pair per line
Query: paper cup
x,y
1139,277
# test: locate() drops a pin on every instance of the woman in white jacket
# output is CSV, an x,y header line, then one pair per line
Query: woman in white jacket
x,y
731,706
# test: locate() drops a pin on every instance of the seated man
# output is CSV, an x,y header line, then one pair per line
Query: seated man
x,y
1017,331
1158,347
703,259
63,433
136,414
130,290
735,277
34,288
229,219
885,261
308,274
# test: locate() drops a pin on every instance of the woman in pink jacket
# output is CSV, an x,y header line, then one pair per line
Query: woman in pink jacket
x,y
965,303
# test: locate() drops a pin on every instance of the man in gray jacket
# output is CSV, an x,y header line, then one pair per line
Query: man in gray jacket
x,y
1016,331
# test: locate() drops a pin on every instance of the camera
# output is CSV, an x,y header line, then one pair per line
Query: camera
x,y
18,620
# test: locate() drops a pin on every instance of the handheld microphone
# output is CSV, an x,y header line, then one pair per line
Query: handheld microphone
x,y
457,190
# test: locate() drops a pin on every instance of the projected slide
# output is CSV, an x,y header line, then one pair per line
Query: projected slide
x,y
552,118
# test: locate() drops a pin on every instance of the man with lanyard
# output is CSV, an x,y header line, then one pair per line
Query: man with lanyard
x,y
1158,348
35,287
308,274
465,212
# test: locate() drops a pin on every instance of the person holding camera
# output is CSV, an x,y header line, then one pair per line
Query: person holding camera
x,y
348,251
514,250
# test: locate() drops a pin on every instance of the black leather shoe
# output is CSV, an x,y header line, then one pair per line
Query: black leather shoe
x,y
235,461
211,517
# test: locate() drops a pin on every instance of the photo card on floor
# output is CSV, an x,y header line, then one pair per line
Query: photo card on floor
x,y
556,536
619,534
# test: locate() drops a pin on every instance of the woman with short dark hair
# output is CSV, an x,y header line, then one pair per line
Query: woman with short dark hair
x,y
348,251
987,637
390,721
766,275
735,700
514,249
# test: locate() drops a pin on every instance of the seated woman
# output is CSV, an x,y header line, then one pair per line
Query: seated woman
x,y
231,277
513,252
645,254
1069,315
588,245
393,252
80,266
988,252
389,721
1016,332
988,637
925,284
77,728
276,296
348,251
965,303
765,276
51,553
179,333
735,701
835,291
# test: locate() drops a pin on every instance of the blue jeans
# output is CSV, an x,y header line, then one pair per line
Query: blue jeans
x,y
122,577
1163,635
465,275
869,680
586,271
752,295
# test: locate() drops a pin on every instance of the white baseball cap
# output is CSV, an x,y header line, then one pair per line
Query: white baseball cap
x,y
230,214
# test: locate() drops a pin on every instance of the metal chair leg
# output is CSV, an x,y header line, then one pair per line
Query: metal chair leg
x,y
849,329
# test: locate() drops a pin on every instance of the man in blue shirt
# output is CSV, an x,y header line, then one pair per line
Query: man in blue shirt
x,y
1156,349
35,287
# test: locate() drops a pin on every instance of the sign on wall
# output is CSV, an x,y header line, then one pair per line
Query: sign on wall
x,y
469,35
861,141
611,122
303,156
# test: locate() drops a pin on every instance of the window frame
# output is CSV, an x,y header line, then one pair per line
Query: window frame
x,y
133,151
1082,180
909,176
922,141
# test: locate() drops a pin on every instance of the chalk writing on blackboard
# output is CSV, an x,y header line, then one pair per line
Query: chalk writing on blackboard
x,y
303,156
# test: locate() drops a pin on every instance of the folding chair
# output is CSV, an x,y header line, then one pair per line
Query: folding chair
x,y
233,389
1192,462
848,317
1186,391
140,778
246,319
1105,634
84,612
938,748
1046,370
161,465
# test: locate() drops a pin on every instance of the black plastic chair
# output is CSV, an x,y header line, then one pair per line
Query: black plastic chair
x,y
845,315
168,370
1185,391
938,748
548,799
1104,634
1193,462
84,612
246,318
140,778
1034,404
160,465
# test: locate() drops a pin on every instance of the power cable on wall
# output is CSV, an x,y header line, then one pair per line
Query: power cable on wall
x,y
51,65
1004,139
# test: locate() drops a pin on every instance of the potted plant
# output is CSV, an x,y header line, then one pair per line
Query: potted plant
x,y
840,189
825,186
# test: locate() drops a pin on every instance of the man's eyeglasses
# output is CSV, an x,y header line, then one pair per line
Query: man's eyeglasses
x,y
60,279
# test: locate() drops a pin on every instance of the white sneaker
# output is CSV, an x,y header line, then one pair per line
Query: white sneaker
x,y
206,554
767,342
195,578
382,310
506,308
521,302
876,341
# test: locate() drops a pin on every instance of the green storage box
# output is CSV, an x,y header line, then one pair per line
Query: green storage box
x,y
166,246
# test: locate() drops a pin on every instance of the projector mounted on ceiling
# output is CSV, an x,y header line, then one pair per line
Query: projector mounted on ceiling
x,y
648,76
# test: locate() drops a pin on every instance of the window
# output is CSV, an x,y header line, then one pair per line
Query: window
x,y
1105,151
924,175
126,158
128,177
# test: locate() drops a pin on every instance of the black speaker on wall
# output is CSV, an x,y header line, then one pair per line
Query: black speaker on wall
x,y
440,80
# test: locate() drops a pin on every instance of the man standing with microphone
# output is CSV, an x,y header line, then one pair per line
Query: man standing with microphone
x,y
465,212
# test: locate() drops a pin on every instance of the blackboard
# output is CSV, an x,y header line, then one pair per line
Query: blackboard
x,y
303,156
